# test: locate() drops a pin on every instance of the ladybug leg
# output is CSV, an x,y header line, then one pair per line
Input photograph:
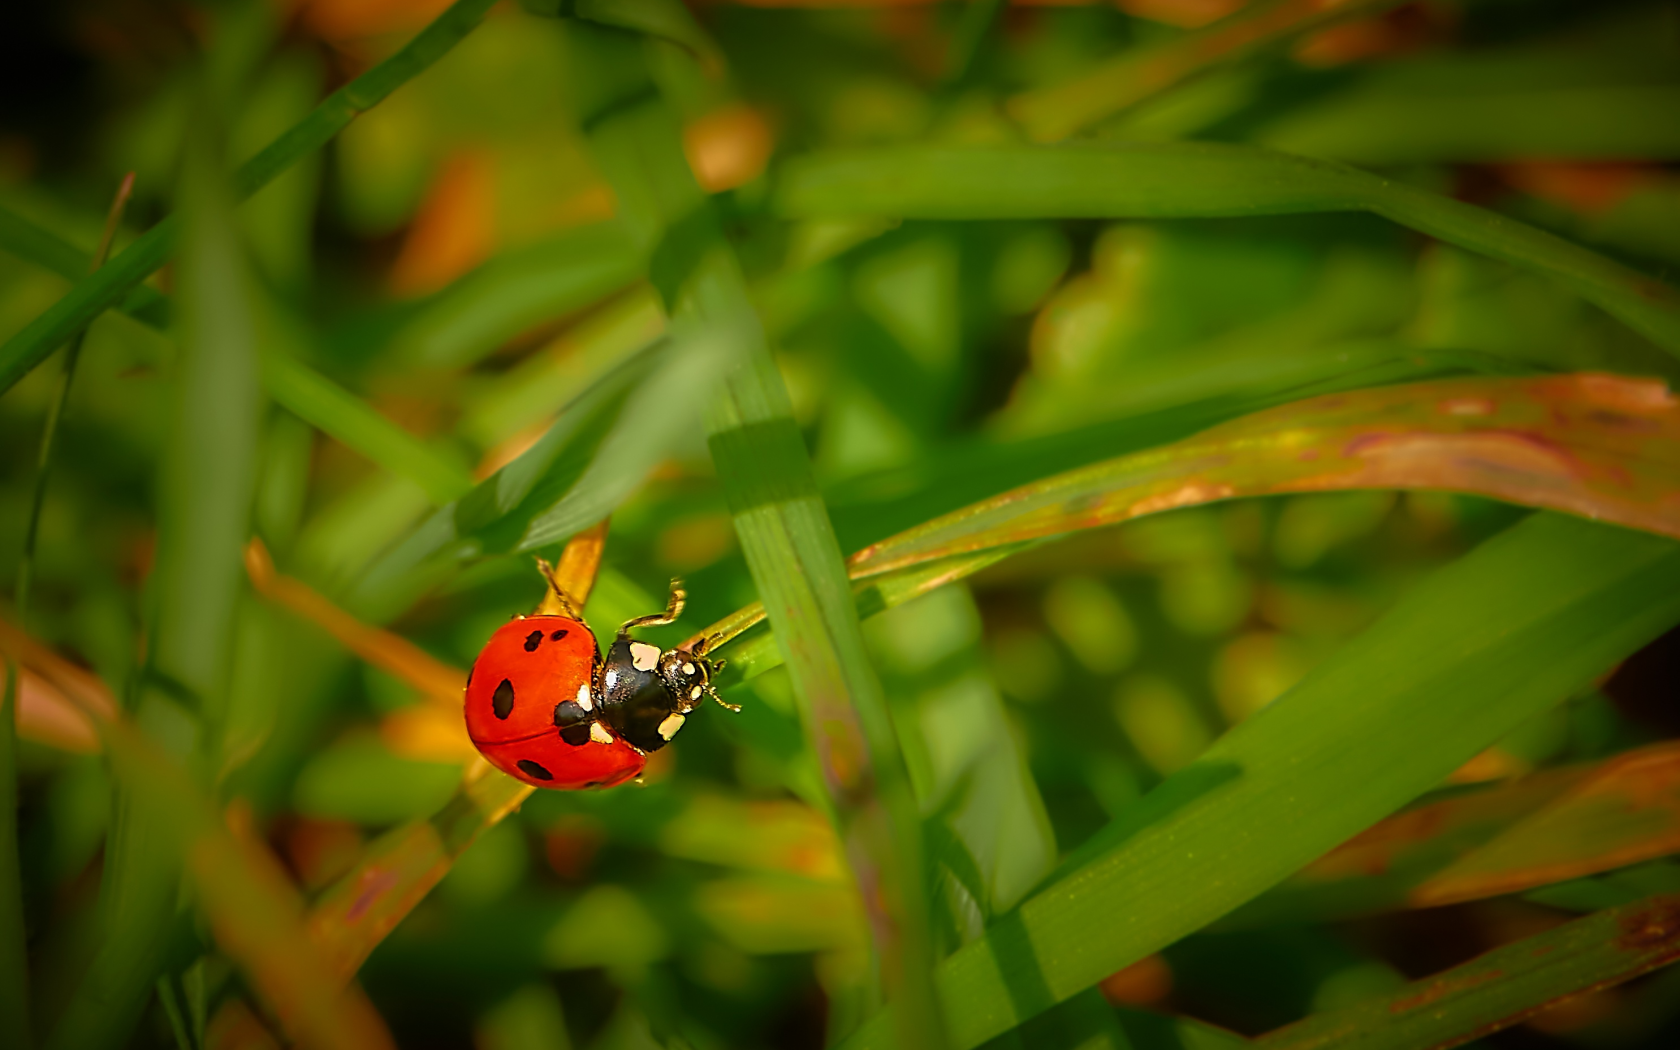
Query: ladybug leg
x,y
673,609
713,667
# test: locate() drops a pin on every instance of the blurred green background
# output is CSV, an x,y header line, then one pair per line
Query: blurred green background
x,y
436,261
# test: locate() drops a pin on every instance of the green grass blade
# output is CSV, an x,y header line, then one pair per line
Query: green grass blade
x,y
1594,445
517,291
783,527
873,506
14,956
595,454
1058,111
795,561
1504,633
300,389
1192,181
1502,987
41,246
204,497
1589,99
330,408
109,287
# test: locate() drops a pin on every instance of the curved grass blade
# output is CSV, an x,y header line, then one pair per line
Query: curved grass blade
x,y
114,283
1058,111
1481,646
1194,180
1595,445
1502,987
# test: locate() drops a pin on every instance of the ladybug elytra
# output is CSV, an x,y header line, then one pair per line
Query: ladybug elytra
x,y
545,708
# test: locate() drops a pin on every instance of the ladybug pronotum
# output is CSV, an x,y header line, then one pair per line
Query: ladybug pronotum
x,y
545,708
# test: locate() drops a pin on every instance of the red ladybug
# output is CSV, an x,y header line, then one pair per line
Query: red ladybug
x,y
544,707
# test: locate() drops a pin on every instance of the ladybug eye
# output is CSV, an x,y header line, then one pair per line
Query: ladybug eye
x,y
533,640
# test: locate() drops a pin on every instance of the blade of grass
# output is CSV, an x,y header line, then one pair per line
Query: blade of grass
x,y
1484,644
206,482
873,506
330,408
113,283
795,560
14,956
391,653
1502,987
41,246
1194,180
1626,812
1377,869
1142,73
599,449
517,291
1596,445
784,531
304,392
1550,827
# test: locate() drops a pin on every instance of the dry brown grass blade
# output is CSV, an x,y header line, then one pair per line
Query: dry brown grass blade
x,y
1624,811
353,915
389,652
59,701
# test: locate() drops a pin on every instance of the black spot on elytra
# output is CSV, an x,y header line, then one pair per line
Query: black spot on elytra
x,y
533,640
502,701
532,769
576,735
569,713
470,671
557,635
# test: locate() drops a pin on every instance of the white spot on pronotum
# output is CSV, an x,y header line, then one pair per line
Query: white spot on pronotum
x,y
599,734
694,694
688,668
583,698
669,727
612,680
643,656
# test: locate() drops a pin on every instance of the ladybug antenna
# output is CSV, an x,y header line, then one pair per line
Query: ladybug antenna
x,y
556,601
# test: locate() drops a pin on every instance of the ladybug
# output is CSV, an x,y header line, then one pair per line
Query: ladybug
x,y
545,708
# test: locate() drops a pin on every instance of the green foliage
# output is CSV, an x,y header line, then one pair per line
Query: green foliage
x,y
1133,556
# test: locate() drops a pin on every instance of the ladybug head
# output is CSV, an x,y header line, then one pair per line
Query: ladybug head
x,y
688,677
